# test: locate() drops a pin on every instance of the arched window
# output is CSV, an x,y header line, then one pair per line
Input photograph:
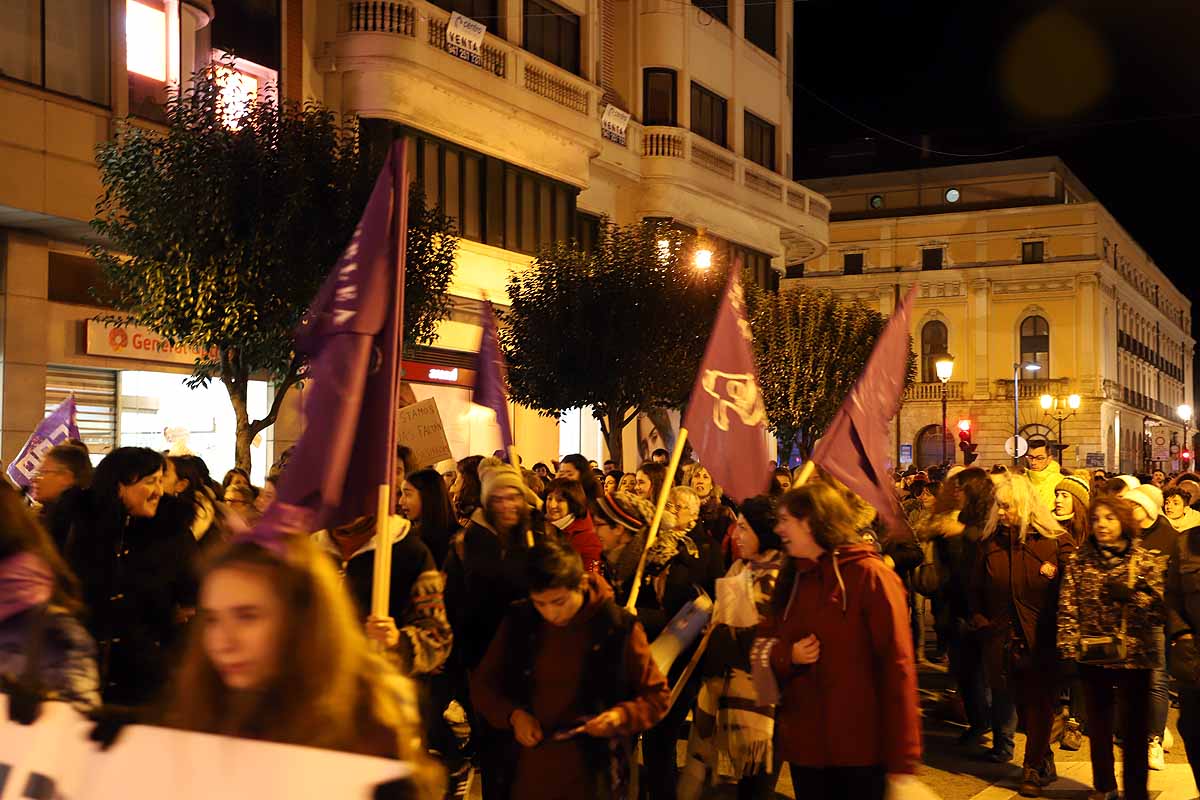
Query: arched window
x,y
933,344
934,446
1035,343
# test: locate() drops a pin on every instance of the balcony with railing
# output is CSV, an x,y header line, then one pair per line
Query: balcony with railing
x,y
679,157
933,391
1032,388
412,32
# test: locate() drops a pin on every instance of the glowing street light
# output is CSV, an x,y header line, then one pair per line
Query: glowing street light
x,y
944,366
1185,414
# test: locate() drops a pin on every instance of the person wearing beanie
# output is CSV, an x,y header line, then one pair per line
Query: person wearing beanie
x,y
1072,497
727,721
485,573
673,571
1159,538
1177,509
1191,489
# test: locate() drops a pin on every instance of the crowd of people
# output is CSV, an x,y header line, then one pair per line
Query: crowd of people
x,y
1061,602
138,590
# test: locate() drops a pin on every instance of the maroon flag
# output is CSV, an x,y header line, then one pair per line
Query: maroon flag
x,y
854,448
351,336
726,419
491,381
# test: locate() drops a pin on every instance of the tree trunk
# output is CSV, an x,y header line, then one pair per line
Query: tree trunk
x,y
614,429
237,397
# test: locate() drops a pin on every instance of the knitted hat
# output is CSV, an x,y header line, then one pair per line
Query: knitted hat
x,y
1130,481
1077,488
1191,489
1148,497
627,510
495,475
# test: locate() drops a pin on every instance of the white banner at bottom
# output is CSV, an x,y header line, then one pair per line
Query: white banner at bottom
x,y
53,759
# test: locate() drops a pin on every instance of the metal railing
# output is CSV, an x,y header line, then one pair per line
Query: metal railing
x,y
933,391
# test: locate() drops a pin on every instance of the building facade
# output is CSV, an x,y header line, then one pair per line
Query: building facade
x,y
519,131
1016,264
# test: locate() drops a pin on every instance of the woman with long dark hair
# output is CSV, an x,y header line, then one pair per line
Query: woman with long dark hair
x,y
838,650
425,503
188,478
132,548
577,468
466,493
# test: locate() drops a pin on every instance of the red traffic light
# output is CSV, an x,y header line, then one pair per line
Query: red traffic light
x,y
964,425
1186,455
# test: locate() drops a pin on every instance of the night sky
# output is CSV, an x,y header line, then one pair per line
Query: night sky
x,y
1111,86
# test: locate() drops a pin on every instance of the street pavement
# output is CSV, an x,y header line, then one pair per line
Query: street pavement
x,y
953,773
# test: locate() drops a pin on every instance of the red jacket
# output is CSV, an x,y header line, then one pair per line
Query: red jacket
x,y
857,705
581,535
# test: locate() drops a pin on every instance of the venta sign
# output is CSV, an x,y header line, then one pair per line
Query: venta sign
x,y
464,38
131,341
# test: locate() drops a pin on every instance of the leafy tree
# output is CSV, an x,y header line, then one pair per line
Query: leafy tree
x,y
217,232
810,348
621,328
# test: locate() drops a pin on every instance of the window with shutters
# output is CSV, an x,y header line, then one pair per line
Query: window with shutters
x,y
760,141
710,114
95,392
658,97
552,32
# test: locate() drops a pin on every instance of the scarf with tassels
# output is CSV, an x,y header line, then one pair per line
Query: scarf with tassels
x,y
25,581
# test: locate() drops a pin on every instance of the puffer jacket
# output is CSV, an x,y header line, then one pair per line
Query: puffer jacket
x,y
1183,607
1088,606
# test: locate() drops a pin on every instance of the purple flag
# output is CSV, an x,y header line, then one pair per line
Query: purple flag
x,y
726,418
854,448
491,376
58,426
351,337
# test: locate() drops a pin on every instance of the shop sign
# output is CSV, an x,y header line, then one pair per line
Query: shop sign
x,y
429,373
1095,460
419,427
614,124
464,38
131,341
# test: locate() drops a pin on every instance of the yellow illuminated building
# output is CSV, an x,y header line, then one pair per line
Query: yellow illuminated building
x,y
511,143
1016,263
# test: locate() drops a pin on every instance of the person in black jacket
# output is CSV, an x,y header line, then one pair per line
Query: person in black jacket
x,y
485,573
964,512
62,476
133,550
1183,622
425,502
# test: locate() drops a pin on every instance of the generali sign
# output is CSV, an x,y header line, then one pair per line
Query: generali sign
x,y
131,341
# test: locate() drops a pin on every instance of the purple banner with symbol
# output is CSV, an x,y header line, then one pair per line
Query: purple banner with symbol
x,y
58,426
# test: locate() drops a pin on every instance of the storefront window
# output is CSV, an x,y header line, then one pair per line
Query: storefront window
x,y
159,411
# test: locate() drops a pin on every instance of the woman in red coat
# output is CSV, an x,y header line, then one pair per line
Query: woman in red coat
x,y
566,510
839,646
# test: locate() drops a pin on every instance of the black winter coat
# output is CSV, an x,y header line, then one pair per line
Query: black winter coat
x,y
136,575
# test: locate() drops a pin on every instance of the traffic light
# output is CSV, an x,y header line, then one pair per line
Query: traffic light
x,y
964,442
1186,455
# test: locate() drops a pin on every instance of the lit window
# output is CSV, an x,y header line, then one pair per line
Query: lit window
x,y
146,40
237,89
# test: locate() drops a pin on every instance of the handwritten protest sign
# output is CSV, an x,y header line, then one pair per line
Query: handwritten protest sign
x,y
419,427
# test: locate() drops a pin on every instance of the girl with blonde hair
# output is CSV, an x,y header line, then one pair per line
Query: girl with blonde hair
x,y
277,654
1013,602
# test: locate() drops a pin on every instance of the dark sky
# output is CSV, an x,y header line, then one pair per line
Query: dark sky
x,y
1111,86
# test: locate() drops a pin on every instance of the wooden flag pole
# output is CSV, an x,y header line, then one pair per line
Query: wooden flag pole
x,y
382,586
805,473
663,496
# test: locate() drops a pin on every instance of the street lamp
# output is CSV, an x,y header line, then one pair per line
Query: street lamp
x,y
945,369
702,256
1185,414
1055,408
1028,366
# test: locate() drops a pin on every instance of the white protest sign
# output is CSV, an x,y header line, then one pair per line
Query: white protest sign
x,y
614,124
420,428
464,38
54,758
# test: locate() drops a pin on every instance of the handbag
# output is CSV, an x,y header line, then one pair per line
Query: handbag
x,y
930,576
1108,649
